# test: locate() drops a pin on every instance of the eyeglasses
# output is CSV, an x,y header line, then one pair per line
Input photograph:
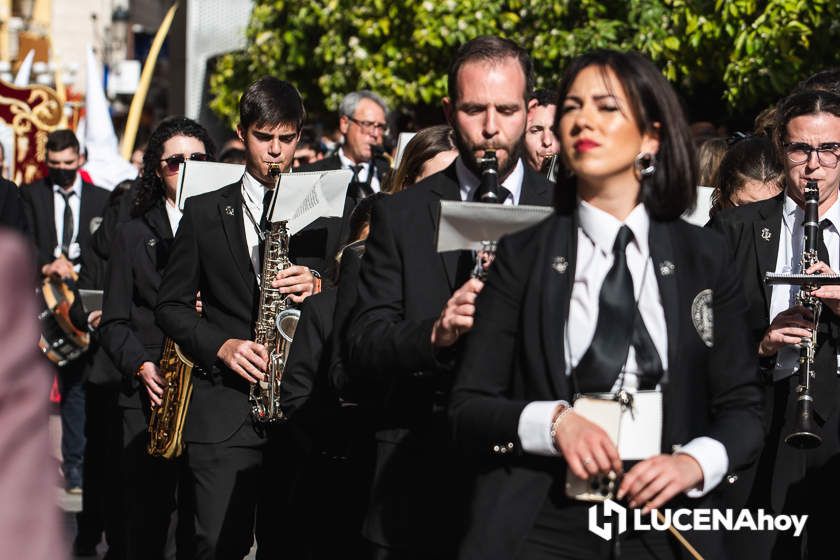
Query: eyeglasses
x,y
367,126
174,161
827,154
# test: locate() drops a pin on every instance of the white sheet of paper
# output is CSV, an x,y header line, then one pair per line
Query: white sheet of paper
x,y
464,225
199,177
302,198
700,215
402,142
637,434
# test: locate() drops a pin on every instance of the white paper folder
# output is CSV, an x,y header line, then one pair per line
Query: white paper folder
x,y
465,225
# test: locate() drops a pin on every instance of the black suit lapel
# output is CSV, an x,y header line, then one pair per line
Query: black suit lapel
x,y
664,265
87,213
558,275
536,190
766,235
446,188
48,201
230,213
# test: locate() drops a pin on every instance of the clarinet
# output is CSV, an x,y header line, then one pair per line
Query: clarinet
x,y
804,434
488,189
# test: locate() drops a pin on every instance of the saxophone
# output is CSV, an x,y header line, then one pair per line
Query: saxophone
x,y
167,419
276,321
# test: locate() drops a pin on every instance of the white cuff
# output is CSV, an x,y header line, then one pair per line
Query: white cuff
x,y
713,460
535,428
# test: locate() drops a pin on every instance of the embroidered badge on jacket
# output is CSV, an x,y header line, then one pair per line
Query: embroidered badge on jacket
x,y
702,317
765,234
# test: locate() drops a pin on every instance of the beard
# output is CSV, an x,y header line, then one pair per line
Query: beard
x,y
467,151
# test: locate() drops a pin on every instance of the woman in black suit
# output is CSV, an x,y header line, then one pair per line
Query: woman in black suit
x,y
613,293
129,334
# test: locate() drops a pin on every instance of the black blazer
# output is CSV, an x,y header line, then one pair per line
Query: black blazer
x,y
40,213
405,283
210,254
402,288
515,355
752,233
12,214
128,332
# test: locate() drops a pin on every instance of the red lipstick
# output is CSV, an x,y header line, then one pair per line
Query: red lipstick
x,y
585,145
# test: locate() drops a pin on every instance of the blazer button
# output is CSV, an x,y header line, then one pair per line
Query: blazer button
x,y
510,445
496,449
732,478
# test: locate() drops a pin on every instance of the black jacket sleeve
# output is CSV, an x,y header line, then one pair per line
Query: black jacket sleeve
x,y
381,342
116,334
175,310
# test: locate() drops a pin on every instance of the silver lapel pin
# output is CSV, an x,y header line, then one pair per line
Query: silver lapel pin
x,y
151,242
560,264
229,210
667,268
765,234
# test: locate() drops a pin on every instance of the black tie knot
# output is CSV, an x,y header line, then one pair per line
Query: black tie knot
x,y
825,224
67,194
624,237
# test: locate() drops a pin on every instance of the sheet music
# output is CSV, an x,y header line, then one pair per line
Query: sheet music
x,y
402,141
464,225
302,198
199,177
91,300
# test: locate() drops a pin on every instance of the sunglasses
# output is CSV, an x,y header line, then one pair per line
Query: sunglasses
x,y
175,161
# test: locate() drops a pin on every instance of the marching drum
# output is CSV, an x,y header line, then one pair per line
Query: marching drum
x,y
60,340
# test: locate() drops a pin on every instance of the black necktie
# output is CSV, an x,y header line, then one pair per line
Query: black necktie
x,y
502,193
265,226
360,189
822,250
67,232
619,324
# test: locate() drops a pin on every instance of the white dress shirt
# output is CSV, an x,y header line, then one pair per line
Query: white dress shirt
x,y
596,236
347,163
469,182
787,262
252,196
173,214
76,206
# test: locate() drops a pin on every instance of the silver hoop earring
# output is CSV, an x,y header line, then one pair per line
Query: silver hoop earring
x,y
645,164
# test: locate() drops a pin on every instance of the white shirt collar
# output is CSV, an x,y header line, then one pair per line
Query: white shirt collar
x,y
76,188
348,163
794,215
469,182
253,189
602,228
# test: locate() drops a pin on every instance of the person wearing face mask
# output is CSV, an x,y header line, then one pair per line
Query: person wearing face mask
x,y
363,123
768,236
613,295
414,304
63,212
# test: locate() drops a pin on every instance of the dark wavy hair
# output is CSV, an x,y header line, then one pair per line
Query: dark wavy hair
x,y
151,187
673,187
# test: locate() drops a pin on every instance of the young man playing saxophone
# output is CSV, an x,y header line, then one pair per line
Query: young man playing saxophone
x,y
217,252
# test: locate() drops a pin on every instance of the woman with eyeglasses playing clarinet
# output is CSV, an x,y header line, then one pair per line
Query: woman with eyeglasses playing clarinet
x,y
612,297
131,337
797,471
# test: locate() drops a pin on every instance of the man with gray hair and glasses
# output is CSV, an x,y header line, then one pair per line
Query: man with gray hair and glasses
x,y
363,122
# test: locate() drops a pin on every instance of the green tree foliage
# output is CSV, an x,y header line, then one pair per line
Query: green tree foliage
x,y
739,54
